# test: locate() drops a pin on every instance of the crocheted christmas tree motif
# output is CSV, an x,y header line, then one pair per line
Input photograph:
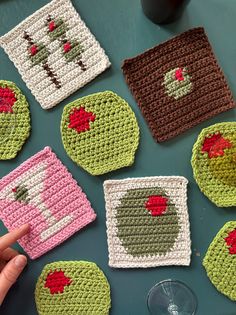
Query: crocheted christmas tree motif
x,y
220,262
21,194
56,281
72,287
72,49
177,83
80,119
100,132
38,54
14,120
213,163
133,218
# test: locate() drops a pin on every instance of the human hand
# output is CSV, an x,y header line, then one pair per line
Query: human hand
x,y
11,262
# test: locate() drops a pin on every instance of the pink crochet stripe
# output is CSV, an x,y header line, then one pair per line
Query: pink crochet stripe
x,y
54,205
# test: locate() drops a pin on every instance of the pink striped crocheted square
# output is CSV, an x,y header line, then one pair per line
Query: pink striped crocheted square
x,y
43,193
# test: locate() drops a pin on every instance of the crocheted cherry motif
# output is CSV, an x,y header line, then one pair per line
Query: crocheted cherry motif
x,y
215,145
56,281
67,47
231,241
7,100
157,205
80,119
51,26
33,50
179,74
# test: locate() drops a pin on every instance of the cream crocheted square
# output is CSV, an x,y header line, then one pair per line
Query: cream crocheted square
x,y
55,52
147,222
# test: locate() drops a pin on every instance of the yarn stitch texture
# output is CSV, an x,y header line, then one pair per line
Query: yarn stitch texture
x,y
147,222
72,287
100,132
14,120
214,163
178,84
220,260
43,193
54,60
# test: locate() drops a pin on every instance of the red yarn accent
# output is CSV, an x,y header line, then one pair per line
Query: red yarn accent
x,y
231,241
56,282
14,189
215,145
80,119
179,74
67,47
7,100
51,26
33,50
156,204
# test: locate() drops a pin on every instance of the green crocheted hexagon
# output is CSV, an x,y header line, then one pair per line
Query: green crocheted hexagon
x,y
71,288
214,163
220,265
100,132
14,120
143,232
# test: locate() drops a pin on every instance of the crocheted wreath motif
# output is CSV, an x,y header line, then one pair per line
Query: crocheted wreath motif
x,y
56,53
220,260
147,222
214,163
43,193
100,132
178,84
72,287
14,120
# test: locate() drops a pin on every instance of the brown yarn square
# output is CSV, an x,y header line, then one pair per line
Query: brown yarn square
x,y
191,53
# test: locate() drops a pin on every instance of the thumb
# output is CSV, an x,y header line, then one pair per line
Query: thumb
x,y
10,273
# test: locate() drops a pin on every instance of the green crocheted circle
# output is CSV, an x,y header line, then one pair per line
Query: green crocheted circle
x,y
71,288
220,264
142,232
100,132
214,163
14,120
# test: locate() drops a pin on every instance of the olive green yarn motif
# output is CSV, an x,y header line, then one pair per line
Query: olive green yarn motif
x,y
141,233
177,83
110,141
14,122
21,194
59,29
87,292
220,265
216,176
41,56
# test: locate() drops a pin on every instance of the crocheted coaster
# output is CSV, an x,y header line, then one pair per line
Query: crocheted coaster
x,y
220,260
43,193
55,52
214,163
147,222
14,120
100,132
178,84
72,287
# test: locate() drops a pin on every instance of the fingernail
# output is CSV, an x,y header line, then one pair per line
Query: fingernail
x,y
20,261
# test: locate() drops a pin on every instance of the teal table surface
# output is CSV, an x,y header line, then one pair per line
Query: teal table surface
x,y
123,31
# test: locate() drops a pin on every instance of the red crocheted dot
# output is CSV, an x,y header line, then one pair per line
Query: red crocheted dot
x,y
33,50
80,119
231,242
56,282
67,47
179,74
7,100
157,205
51,26
215,145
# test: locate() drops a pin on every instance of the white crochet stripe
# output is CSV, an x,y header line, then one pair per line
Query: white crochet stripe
x,y
176,189
70,75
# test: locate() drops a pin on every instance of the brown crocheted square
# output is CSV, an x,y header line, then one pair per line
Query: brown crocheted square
x,y
178,84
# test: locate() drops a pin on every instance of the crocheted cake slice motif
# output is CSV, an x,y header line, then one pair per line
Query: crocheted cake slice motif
x,y
178,84
72,287
14,120
100,132
147,222
214,163
43,193
56,53
220,260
